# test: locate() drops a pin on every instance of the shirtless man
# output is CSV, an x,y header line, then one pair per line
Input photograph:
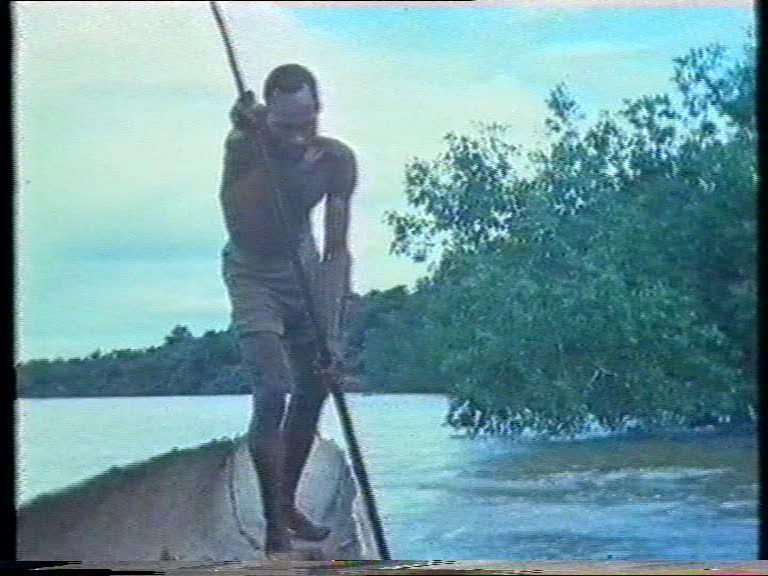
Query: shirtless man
x,y
275,337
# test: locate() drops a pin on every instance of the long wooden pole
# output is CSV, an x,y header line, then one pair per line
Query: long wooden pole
x,y
353,447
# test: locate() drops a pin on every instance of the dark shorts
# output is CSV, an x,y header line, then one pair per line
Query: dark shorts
x,y
265,297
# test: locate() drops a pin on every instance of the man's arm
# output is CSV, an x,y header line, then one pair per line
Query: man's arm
x,y
333,279
242,171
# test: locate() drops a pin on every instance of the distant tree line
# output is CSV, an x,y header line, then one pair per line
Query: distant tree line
x,y
183,364
208,364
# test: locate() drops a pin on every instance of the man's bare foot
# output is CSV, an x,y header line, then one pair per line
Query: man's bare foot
x,y
279,548
277,542
304,528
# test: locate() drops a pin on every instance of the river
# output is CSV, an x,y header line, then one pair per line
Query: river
x,y
444,496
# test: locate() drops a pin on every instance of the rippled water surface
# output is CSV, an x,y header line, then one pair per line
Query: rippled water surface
x,y
684,497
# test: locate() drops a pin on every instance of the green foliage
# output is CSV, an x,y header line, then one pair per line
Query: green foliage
x,y
183,365
398,364
612,277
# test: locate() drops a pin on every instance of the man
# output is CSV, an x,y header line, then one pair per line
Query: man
x,y
268,313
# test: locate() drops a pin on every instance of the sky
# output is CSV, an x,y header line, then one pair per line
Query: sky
x,y
121,110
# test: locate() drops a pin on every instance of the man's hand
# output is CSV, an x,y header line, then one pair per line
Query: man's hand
x,y
244,113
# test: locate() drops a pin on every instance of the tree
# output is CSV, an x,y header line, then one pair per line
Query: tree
x,y
609,276
178,334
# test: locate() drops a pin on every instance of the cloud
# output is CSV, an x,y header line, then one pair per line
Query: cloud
x,y
136,112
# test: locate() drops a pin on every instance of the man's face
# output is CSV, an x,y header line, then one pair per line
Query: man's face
x,y
292,119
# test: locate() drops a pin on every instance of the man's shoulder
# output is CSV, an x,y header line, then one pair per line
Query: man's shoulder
x,y
341,162
335,149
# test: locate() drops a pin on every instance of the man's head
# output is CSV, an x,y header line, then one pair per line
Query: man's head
x,y
290,93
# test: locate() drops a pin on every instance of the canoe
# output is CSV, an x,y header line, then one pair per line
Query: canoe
x,y
197,504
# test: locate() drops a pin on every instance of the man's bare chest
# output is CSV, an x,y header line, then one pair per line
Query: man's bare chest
x,y
302,183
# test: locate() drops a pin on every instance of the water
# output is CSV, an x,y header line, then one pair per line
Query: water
x,y
687,497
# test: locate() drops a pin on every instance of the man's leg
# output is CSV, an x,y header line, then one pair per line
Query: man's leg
x,y
263,356
300,427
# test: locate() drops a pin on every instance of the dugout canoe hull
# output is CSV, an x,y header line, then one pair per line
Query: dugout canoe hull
x,y
196,504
